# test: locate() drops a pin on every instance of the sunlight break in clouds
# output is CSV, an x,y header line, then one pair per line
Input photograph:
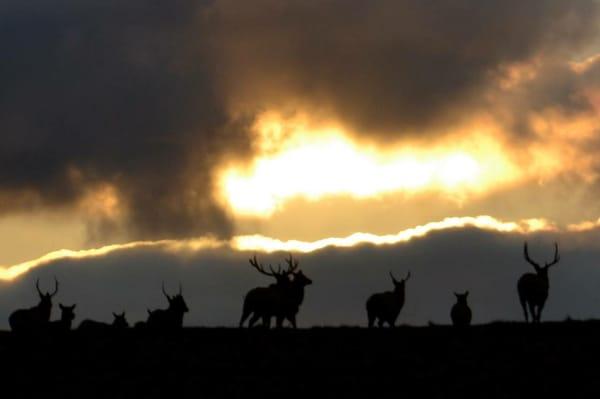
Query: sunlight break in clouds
x,y
299,161
267,244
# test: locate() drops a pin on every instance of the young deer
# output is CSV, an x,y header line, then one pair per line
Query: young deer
x,y
385,307
119,323
461,313
66,319
36,317
170,318
533,287
262,302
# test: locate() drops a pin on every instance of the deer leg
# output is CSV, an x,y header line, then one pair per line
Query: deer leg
x,y
266,321
243,319
539,313
524,306
292,319
253,320
279,320
380,323
532,312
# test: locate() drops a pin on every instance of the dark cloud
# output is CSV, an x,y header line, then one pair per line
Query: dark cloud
x,y
215,281
146,96
389,66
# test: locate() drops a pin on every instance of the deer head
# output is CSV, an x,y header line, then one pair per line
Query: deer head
x,y
299,278
461,298
119,320
46,298
176,302
67,312
541,271
399,285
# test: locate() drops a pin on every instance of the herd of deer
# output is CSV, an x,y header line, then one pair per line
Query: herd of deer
x,y
281,300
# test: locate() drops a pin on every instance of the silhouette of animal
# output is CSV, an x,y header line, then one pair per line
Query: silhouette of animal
x,y
384,307
461,313
263,301
533,287
66,319
119,323
170,318
281,300
36,317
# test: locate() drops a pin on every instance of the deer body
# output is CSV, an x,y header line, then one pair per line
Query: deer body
x,y
385,307
34,318
170,318
533,288
460,312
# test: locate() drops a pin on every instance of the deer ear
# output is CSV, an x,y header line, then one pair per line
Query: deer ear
x,y
61,306
73,307
466,294
456,295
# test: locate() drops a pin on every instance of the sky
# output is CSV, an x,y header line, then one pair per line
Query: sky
x,y
153,141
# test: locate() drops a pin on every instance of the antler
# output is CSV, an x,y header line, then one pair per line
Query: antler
x,y
258,266
37,286
165,292
292,265
55,287
180,289
556,256
407,276
535,265
393,278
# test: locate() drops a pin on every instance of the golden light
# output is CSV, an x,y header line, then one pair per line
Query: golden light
x,y
296,162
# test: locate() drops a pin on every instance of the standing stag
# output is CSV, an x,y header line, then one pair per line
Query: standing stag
x,y
281,300
119,323
385,307
170,318
36,317
533,287
461,313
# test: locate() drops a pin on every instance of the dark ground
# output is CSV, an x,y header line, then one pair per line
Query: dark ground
x,y
500,360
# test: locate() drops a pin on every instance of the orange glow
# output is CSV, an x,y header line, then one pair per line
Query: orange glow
x,y
312,163
267,244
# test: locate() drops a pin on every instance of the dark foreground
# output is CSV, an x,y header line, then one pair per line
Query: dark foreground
x,y
491,361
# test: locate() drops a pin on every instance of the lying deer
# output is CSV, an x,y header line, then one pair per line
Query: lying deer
x,y
66,319
170,318
385,307
36,317
119,323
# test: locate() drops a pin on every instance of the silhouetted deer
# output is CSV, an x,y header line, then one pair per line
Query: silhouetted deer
x,y
281,300
170,318
293,294
385,307
67,316
119,323
36,317
261,302
461,313
533,287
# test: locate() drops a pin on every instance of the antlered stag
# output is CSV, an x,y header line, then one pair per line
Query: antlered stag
x,y
281,300
385,307
533,287
170,318
36,317
461,313
119,323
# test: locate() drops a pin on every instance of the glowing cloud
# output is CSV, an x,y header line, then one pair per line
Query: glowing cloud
x,y
300,161
267,244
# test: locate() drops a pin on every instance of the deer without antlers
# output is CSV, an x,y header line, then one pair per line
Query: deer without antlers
x,y
36,317
460,312
119,323
385,307
66,319
281,300
533,287
170,318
